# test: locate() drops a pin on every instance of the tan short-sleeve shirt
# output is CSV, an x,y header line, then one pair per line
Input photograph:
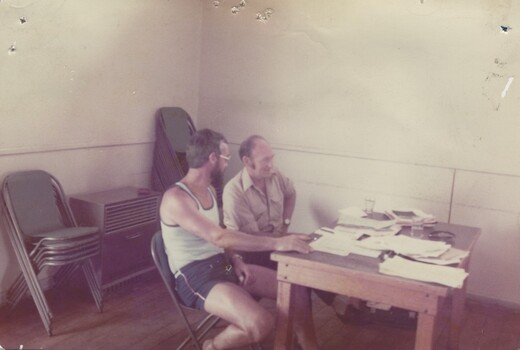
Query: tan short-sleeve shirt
x,y
248,209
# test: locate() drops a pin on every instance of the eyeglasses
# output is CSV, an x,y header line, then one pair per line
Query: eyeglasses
x,y
225,157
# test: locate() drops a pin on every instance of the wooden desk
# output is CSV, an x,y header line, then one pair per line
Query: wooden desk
x,y
358,276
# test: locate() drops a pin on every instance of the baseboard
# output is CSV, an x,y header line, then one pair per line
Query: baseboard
x,y
491,301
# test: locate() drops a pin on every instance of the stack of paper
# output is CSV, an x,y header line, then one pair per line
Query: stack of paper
x,y
411,216
352,233
451,257
339,244
445,275
352,221
405,245
367,231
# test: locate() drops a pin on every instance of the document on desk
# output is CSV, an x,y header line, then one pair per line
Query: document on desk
x,y
339,244
352,221
445,275
406,217
366,231
450,257
406,245
355,217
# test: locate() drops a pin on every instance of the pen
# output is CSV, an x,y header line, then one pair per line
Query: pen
x,y
327,229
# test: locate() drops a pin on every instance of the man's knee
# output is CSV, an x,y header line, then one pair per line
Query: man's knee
x,y
258,325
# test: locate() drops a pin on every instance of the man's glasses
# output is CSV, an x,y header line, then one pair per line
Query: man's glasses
x,y
225,157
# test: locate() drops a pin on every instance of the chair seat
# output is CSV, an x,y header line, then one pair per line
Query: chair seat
x,y
67,232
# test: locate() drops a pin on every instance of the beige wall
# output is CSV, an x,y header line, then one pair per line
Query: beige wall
x,y
401,100
79,95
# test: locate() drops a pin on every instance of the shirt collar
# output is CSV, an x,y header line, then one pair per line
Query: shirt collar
x,y
272,193
247,182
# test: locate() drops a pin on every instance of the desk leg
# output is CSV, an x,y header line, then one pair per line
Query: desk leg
x,y
457,315
425,332
284,331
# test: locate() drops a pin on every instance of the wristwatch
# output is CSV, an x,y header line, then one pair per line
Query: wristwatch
x,y
287,221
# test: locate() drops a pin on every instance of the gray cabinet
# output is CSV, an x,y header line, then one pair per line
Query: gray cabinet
x,y
127,217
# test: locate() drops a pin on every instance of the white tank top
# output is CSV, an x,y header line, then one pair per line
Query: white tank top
x,y
183,247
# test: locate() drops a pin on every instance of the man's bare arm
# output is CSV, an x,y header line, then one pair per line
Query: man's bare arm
x,y
179,208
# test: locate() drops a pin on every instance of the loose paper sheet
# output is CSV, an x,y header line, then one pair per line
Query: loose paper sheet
x,y
340,244
445,275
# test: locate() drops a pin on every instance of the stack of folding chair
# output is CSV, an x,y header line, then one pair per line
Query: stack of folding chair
x,y
174,128
44,233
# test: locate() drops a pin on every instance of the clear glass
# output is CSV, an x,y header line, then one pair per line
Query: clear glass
x,y
369,205
416,231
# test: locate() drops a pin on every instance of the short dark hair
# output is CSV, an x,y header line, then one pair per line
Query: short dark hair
x,y
202,143
246,147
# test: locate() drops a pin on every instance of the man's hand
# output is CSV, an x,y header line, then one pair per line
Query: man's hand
x,y
297,242
243,272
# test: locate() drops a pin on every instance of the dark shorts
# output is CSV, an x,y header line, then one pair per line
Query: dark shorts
x,y
195,280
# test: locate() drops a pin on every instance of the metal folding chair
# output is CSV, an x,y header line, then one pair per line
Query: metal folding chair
x,y
174,128
196,332
44,233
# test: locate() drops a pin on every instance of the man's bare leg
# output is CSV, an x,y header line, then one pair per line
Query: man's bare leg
x,y
249,321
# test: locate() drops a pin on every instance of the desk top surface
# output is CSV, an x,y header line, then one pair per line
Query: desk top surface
x,y
465,239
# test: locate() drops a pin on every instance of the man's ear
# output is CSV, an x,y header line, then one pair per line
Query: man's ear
x,y
213,157
246,161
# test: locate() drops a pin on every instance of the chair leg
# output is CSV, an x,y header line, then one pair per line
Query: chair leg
x,y
31,279
93,284
63,274
207,323
39,298
17,291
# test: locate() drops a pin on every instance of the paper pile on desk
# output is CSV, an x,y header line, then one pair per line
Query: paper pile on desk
x,y
340,244
445,275
357,232
355,217
452,256
407,216
405,245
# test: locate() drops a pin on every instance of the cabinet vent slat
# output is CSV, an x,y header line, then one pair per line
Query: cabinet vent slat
x,y
125,215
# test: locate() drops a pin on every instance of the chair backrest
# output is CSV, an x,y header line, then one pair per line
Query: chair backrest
x,y
177,126
174,128
161,262
36,201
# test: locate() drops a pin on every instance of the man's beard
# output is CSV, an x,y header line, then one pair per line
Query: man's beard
x,y
217,177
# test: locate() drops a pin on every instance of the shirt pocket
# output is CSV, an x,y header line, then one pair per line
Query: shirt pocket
x,y
276,209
